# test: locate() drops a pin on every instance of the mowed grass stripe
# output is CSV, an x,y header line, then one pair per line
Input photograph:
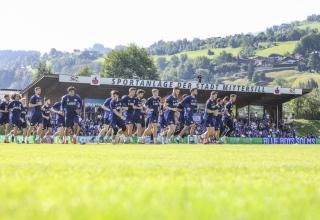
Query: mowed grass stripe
x,y
159,182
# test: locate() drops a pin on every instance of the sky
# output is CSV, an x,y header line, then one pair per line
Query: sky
x,y
78,24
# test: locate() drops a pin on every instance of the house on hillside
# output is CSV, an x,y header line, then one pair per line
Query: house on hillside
x,y
274,58
298,56
287,62
260,61
242,60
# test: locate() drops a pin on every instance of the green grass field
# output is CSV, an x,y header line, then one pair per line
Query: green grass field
x,y
159,182
281,48
311,25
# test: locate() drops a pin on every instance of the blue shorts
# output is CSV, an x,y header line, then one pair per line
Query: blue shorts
x,y
138,118
36,119
106,121
153,118
210,121
70,120
24,124
181,119
188,120
162,122
4,120
129,118
218,124
16,122
60,122
46,124
117,123
170,118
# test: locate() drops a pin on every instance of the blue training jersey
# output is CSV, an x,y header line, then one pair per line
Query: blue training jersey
x,y
107,105
115,105
71,103
153,104
128,101
138,103
189,104
4,106
58,107
24,113
46,110
15,109
229,107
172,102
210,105
34,100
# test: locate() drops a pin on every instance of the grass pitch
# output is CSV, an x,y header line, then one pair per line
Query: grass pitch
x,y
139,182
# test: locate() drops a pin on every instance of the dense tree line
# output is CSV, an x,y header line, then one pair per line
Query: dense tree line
x,y
183,68
309,47
277,33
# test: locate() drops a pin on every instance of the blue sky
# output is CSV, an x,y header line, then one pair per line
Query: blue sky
x,y
71,24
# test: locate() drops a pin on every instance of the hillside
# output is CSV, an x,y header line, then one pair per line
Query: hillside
x,y
218,59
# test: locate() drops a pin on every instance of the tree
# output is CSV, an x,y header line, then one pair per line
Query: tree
x,y
131,62
42,69
248,51
250,69
175,61
314,62
255,77
84,71
224,57
308,44
312,84
162,63
210,52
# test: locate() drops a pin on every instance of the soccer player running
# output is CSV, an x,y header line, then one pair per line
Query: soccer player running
x,y
189,104
210,117
228,115
35,104
106,119
116,117
23,116
4,117
138,117
171,108
47,126
128,103
153,107
163,123
218,125
71,106
15,108
59,121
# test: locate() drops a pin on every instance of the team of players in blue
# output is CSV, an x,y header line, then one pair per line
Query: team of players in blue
x,y
171,118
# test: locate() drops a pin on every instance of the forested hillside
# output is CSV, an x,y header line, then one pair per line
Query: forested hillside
x,y
260,58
